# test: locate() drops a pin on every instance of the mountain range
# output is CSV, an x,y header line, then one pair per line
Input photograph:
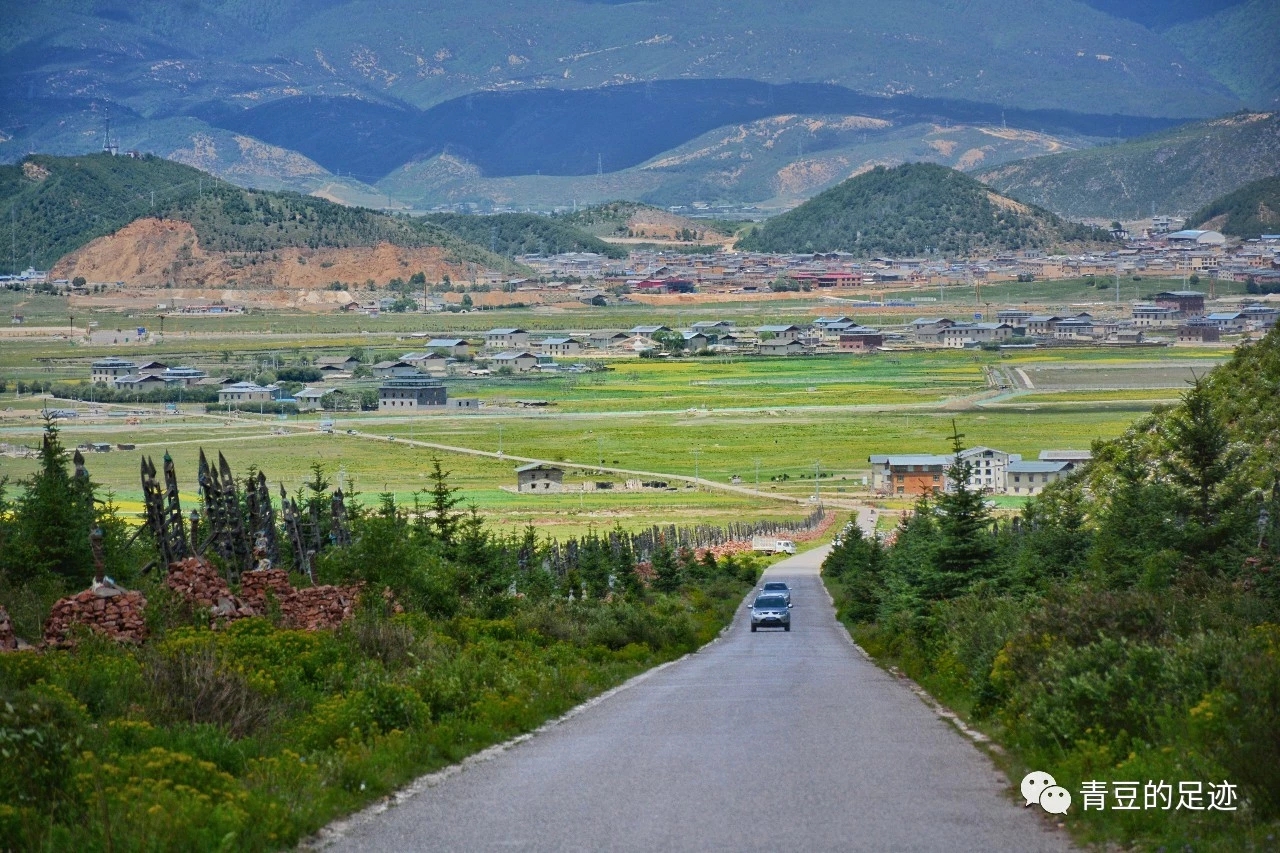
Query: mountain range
x,y
403,104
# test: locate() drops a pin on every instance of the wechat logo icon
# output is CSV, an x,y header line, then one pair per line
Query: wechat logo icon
x,y
1040,787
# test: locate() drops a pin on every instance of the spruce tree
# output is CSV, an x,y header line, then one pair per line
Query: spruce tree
x,y
965,546
53,518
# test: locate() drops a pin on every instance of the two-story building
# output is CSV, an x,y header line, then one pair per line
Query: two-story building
x,y
519,361
909,474
561,346
410,392
108,370
505,339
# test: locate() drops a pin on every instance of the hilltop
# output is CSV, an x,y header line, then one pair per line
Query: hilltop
x,y
1249,212
915,209
1175,171
511,234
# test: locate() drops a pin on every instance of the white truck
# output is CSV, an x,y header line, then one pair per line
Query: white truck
x,y
772,545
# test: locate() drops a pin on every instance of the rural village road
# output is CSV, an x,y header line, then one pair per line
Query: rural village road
x,y
790,741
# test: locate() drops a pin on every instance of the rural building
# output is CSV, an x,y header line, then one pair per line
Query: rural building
x,y
987,467
427,362
928,330
649,331
1031,477
107,370
140,384
1042,325
862,340
463,403
695,341
1154,315
539,477
1198,333
188,376
151,368
1260,316
504,339
410,392
712,326
1227,321
245,392
335,363
456,347
780,333
604,339
1074,328
969,333
308,399
561,346
910,474
521,361
1188,303
399,367
778,346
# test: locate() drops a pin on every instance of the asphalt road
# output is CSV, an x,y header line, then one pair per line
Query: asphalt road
x,y
764,741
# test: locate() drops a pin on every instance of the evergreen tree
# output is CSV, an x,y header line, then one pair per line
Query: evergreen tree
x,y
52,519
965,546
666,571
443,520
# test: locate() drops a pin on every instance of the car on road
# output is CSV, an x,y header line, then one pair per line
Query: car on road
x,y
770,611
777,588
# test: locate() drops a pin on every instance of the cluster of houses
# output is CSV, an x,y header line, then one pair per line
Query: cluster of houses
x,y
1180,312
990,470
1161,251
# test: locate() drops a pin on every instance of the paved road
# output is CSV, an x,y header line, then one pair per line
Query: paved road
x,y
765,741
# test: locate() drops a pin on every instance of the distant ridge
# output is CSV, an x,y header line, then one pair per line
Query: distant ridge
x,y
915,209
1173,172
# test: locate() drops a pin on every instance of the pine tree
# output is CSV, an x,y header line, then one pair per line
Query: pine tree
x,y
53,518
966,545
443,520
666,571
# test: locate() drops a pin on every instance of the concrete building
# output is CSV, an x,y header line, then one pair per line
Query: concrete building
x,y
245,392
987,467
308,399
1154,316
1188,303
780,333
1199,333
561,346
503,339
108,370
861,340
909,474
538,477
780,347
456,347
521,361
397,367
1031,477
410,392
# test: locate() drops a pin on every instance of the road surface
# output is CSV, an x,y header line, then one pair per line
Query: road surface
x,y
764,741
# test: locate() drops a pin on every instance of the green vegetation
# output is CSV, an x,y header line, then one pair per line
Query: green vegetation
x,y
1175,170
915,209
254,735
59,204
511,234
1127,627
1233,46
1249,212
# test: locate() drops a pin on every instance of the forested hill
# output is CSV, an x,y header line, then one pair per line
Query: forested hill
x,y
915,209
511,234
1249,212
59,204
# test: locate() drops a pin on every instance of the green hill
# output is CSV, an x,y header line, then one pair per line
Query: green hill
x,y
1176,171
915,209
59,204
1237,46
1250,211
511,234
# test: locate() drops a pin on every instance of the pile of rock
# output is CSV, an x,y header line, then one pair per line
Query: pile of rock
x,y
197,581
8,639
105,609
310,608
